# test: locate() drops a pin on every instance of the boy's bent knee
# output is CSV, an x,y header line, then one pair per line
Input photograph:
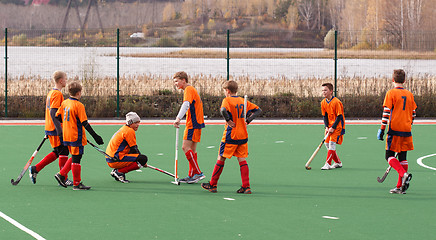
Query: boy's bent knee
x,y
142,159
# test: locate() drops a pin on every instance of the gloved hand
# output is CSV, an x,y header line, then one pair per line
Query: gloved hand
x,y
98,139
380,134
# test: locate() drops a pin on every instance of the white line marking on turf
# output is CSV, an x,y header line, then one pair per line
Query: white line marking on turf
x,y
138,170
280,141
329,217
211,147
419,161
23,228
361,138
229,199
160,154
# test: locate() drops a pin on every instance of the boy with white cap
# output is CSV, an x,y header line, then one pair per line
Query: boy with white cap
x,y
123,148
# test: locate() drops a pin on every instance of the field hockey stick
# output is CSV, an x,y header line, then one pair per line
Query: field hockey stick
x,y
176,177
315,152
114,159
28,163
245,108
380,180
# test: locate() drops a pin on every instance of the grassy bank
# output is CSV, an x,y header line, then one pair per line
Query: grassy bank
x,y
342,53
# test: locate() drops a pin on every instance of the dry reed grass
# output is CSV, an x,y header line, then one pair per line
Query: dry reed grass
x,y
342,53
149,85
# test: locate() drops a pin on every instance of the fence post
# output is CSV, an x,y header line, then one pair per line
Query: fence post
x,y
336,62
118,72
6,72
228,54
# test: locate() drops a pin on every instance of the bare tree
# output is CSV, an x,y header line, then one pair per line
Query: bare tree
x,y
306,8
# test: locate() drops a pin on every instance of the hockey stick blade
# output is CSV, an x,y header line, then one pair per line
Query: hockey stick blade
x,y
382,179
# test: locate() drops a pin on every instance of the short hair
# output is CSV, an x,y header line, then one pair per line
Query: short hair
x,y
181,75
328,85
399,76
231,85
58,75
74,88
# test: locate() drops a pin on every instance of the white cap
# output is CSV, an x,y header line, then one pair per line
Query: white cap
x,y
132,117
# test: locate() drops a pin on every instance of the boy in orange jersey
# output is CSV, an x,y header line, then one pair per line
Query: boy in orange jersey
x,y
399,110
334,122
123,148
73,116
235,136
53,128
193,108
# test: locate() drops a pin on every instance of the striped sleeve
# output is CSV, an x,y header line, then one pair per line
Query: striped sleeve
x,y
385,117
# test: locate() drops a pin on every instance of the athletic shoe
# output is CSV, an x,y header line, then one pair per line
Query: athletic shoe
x,y
185,180
337,165
61,180
396,191
68,182
196,178
32,174
121,177
81,187
243,190
209,187
406,180
326,167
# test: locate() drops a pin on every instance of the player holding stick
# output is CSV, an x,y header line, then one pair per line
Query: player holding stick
x,y
399,111
334,121
193,108
74,122
53,128
235,136
123,148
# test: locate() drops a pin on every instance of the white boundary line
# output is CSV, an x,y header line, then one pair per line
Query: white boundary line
x,y
419,161
23,228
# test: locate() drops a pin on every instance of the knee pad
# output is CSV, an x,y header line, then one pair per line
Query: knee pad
x,y
62,150
142,159
402,156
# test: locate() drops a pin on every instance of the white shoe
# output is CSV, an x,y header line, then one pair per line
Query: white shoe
x,y
326,167
337,165
397,191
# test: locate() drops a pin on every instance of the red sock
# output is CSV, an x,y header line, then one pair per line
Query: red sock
x,y
330,154
66,168
196,171
395,164
336,157
192,163
76,169
132,166
244,174
62,160
405,166
217,170
46,161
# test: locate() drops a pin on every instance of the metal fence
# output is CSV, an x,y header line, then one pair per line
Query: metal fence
x,y
116,63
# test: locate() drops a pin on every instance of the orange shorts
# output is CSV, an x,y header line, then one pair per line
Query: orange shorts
x,y
55,141
228,150
75,150
399,144
336,137
124,162
192,134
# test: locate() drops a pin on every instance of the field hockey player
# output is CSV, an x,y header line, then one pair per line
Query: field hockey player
x,y
123,149
235,137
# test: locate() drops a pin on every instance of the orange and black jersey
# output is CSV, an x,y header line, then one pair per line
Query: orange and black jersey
x,y
73,115
53,101
333,112
234,106
399,110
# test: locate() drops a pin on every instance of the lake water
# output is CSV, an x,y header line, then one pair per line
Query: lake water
x,y
80,61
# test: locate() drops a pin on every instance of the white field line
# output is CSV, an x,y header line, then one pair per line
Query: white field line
x,y
419,161
21,227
